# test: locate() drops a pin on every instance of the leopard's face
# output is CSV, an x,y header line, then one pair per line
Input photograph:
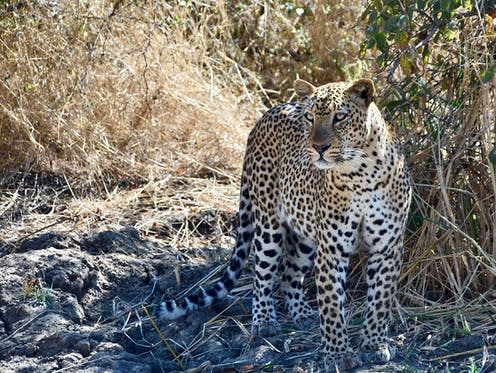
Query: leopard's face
x,y
338,116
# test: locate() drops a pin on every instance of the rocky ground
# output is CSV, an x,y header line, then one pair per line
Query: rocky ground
x,y
73,302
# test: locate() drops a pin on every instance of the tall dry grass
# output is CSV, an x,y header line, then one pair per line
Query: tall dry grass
x,y
102,91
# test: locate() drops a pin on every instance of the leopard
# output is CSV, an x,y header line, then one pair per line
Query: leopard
x,y
323,178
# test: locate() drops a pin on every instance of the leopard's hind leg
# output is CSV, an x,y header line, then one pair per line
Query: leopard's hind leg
x,y
298,261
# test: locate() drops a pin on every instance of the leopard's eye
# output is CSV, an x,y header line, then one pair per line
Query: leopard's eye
x,y
308,116
340,116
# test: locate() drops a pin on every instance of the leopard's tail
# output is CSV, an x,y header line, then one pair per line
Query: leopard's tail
x,y
172,309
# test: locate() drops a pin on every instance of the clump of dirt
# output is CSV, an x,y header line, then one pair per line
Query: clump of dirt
x,y
59,298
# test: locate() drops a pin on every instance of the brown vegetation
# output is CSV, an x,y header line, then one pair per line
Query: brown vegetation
x,y
101,91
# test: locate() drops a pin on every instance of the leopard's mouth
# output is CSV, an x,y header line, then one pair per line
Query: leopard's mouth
x,y
328,162
338,159
322,164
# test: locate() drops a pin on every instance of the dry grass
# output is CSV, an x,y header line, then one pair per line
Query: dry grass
x,y
98,97
105,91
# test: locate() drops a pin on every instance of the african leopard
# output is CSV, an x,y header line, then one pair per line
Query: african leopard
x,y
321,178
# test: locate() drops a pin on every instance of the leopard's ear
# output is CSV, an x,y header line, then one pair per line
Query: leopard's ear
x,y
303,88
363,90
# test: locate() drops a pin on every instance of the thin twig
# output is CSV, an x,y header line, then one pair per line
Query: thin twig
x,y
463,353
163,338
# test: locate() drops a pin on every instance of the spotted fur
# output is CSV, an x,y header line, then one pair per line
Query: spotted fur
x,y
322,177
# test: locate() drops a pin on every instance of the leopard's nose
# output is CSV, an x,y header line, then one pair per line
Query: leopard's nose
x,y
321,148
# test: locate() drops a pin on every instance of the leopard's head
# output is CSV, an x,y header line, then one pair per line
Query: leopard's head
x,y
338,114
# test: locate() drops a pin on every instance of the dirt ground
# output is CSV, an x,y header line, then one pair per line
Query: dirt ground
x,y
72,302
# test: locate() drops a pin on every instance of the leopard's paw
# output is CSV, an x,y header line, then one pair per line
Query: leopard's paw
x,y
306,319
378,353
342,362
265,328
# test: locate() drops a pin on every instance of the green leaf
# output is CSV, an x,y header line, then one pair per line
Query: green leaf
x,y
381,41
372,16
492,157
446,5
393,104
381,60
435,11
488,75
425,54
391,24
406,64
378,4
467,4
449,34
363,50
402,39
421,4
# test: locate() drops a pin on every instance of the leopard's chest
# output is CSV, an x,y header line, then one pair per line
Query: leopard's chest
x,y
310,203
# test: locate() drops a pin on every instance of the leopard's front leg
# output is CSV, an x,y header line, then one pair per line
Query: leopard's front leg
x,y
383,270
383,230
330,268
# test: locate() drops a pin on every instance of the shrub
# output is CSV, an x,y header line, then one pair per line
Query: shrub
x,y
439,67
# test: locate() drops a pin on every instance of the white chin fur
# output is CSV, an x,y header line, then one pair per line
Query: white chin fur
x,y
324,165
